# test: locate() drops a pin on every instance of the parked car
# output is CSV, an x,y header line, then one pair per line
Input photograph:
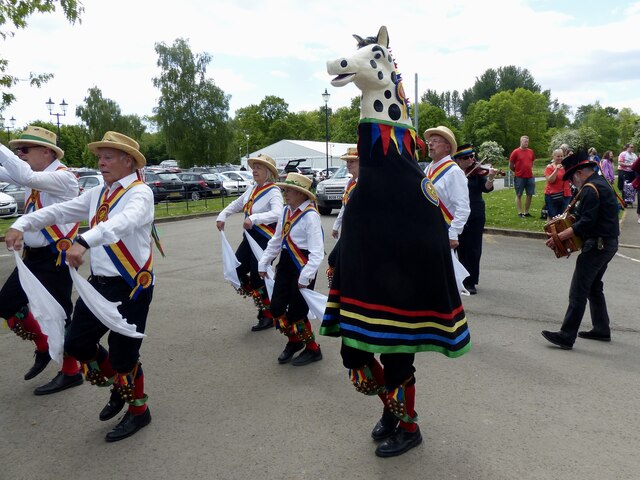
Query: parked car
x,y
8,206
198,185
240,175
165,185
16,192
169,163
87,182
329,192
294,166
232,186
82,171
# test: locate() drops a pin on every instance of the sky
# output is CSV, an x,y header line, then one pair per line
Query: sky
x,y
583,51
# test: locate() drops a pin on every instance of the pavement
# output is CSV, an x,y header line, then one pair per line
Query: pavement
x,y
223,408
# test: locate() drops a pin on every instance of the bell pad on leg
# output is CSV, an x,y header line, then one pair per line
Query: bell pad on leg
x,y
94,375
396,402
125,385
300,330
364,381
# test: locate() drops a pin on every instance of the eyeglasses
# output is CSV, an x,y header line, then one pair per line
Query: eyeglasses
x,y
467,157
436,140
24,150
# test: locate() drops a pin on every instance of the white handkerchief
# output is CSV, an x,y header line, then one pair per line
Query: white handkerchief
x,y
47,311
316,302
460,272
229,262
105,310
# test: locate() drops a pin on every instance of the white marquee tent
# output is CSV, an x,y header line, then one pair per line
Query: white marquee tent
x,y
315,153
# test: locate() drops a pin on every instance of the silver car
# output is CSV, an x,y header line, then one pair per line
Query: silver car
x,y
16,192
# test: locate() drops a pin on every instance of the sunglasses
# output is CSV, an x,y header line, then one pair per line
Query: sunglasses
x,y
467,157
24,150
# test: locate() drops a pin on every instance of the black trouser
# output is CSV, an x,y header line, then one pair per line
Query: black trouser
x,y
286,298
56,279
248,261
470,248
332,259
398,367
586,284
82,340
622,177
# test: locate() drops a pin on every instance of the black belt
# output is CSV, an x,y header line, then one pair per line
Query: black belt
x,y
35,253
106,280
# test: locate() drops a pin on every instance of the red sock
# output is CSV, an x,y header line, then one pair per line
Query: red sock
x,y
410,400
138,393
377,371
70,365
103,362
312,345
31,325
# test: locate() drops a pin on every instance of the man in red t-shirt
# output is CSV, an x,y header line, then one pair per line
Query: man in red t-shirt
x,y
521,164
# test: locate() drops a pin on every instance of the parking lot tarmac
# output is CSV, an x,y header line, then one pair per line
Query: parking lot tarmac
x,y
515,407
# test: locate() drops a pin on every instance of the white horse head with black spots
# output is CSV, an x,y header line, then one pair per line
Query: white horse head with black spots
x,y
372,69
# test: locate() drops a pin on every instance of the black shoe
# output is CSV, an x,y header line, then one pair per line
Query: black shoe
x,y
472,290
60,382
289,351
527,214
592,335
113,407
385,426
263,324
42,360
398,443
129,425
557,339
307,357
521,215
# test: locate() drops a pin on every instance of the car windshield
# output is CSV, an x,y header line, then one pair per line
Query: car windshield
x,y
209,176
234,176
169,176
342,172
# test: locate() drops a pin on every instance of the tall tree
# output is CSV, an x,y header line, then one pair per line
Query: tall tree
x,y
192,111
99,114
16,13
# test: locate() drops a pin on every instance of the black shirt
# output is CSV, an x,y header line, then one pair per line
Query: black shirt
x,y
596,213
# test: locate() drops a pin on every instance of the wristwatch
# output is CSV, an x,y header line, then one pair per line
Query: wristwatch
x,y
82,242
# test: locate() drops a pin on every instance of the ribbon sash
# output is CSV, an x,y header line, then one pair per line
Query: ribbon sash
x,y
257,194
299,258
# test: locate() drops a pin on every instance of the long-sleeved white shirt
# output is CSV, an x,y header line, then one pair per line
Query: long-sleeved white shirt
x,y
54,184
265,211
306,233
453,192
337,225
130,220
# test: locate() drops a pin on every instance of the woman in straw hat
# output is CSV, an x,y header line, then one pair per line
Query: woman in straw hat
x,y
37,167
121,218
353,167
299,233
262,207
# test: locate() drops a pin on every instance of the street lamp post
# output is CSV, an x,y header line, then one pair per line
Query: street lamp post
x,y
247,135
325,96
9,127
63,106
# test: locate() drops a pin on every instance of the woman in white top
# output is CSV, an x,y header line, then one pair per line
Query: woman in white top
x,y
262,207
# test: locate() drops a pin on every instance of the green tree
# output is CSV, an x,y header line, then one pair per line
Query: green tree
x,y
98,114
16,13
628,122
343,123
192,111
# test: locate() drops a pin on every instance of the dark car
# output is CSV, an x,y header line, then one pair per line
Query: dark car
x,y
294,166
165,186
198,185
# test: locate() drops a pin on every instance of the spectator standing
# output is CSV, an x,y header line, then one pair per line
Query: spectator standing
x,y
625,174
521,164
557,192
606,165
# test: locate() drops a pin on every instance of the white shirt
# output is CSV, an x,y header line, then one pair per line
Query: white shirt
x,y
306,233
337,225
266,210
453,192
130,220
54,185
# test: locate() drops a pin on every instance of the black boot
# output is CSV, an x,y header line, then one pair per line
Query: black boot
x,y
60,382
289,350
129,425
385,426
400,442
42,360
264,323
113,407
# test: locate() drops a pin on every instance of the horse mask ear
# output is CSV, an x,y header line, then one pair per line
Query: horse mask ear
x,y
383,37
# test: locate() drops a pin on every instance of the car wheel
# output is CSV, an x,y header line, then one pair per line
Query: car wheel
x,y
324,210
195,196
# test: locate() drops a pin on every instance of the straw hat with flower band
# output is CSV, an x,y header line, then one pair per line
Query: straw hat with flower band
x,y
266,161
352,154
445,133
121,142
38,136
298,182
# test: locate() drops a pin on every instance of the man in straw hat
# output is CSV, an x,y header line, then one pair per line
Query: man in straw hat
x,y
353,167
47,181
448,179
262,206
597,225
299,234
120,217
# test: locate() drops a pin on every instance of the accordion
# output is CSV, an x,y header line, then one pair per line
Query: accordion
x,y
556,225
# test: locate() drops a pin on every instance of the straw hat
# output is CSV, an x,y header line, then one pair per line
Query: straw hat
x,y
120,142
298,182
266,161
352,154
38,136
445,133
